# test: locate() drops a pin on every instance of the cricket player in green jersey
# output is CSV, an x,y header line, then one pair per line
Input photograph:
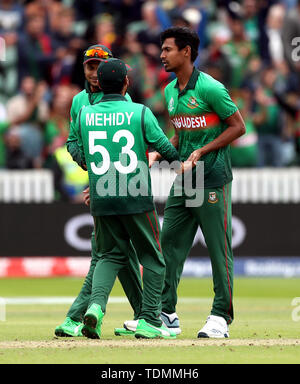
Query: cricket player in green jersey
x,y
129,276
206,121
114,138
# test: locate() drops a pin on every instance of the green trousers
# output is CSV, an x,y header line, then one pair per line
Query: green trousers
x,y
129,276
178,232
115,236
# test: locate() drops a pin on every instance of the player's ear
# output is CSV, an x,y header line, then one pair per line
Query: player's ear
x,y
187,51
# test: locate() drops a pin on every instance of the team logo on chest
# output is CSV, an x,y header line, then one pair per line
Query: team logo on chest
x,y
192,103
171,105
212,197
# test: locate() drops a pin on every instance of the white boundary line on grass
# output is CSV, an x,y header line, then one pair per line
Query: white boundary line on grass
x,y
55,300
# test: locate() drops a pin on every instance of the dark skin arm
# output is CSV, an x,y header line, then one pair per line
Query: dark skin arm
x,y
236,128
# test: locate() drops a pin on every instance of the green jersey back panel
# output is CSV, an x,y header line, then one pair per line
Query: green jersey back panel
x,y
83,98
114,141
198,113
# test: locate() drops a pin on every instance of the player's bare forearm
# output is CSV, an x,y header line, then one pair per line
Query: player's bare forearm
x,y
236,128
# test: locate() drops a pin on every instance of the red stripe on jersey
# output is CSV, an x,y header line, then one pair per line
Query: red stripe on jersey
x,y
193,122
157,240
225,233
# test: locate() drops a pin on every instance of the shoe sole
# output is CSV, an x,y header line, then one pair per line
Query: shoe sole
x,y
61,333
149,335
89,328
203,335
123,333
175,330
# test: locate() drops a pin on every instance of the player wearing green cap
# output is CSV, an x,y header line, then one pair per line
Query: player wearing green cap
x,y
129,276
114,137
206,121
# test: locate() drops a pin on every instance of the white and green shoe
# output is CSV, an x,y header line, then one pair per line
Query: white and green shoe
x,y
128,329
145,330
69,328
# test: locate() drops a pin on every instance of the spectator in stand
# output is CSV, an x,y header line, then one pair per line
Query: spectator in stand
x,y
268,119
35,50
244,150
127,12
11,24
195,13
290,102
56,129
149,36
102,31
16,158
239,51
69,178
142,45
66,44
30,98
11,16
291,30
87,9
274,32
17,105
214,61
250,16
17,153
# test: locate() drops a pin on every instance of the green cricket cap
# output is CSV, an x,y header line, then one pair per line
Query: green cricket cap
x,y
111,73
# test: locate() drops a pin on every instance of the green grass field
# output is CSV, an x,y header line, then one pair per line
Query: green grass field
x,y
263,330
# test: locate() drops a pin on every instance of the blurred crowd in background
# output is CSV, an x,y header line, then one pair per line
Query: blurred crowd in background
x,y
249,45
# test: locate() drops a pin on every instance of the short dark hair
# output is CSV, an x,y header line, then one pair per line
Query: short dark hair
x,y
183,36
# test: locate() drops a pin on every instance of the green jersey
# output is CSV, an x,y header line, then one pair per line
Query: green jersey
x,y
198,113
114,137
82,99
273,120
4,125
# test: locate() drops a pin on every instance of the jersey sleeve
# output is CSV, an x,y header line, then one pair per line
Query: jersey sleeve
x,y
72,141
79,140
219,100
156,138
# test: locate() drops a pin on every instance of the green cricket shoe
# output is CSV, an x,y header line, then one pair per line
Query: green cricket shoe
x,y
69,328
123,332
128,329
145,330
92,322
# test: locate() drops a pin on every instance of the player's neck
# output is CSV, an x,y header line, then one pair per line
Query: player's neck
x,y
184,74
94,89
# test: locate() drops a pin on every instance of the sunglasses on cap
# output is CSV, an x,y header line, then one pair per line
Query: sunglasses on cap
x,y
97,53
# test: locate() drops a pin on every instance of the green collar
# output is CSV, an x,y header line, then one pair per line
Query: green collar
x,y
191,83
88,88
113,97
91,95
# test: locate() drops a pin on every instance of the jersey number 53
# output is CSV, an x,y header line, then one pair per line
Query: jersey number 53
x,y
105,165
